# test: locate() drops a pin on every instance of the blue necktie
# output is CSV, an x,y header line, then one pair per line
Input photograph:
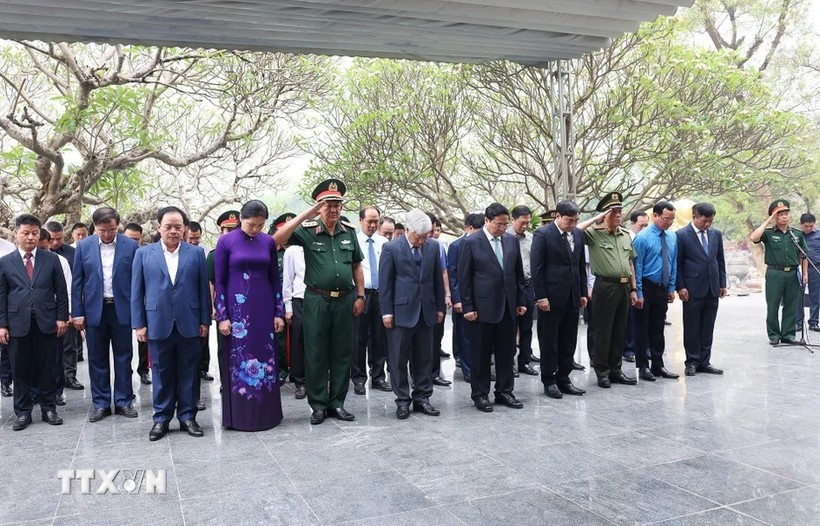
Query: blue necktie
x,y
704,241
665,258
497,250
371,260
417,258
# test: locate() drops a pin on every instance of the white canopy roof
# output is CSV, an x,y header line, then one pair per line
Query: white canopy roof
x,y
524,31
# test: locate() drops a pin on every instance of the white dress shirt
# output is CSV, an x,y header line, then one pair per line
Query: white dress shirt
x,y
293,276
378,242
107,257
525,244
172,260
6,247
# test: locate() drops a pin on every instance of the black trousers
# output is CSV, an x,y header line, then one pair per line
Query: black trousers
x,y
524,324
589,319
609,318
142,352
649,325
557,337
487,339
297,343
370,348
71,344
438,337
205,353
699,316
411,344
33,367
5,365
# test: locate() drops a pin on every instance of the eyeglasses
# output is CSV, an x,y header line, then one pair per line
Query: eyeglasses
x,y
499,225
667,219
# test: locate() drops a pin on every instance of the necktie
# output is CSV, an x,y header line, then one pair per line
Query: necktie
x,y
417,256
371,260
704,241
29,266
664,258
497,250
565,235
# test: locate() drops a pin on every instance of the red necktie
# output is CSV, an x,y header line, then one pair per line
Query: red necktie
x,y
29,266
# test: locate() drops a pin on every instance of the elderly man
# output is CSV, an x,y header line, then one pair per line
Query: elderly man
x,y
334,295
412,302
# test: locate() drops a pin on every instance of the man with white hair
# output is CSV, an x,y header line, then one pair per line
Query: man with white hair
x,y
412,302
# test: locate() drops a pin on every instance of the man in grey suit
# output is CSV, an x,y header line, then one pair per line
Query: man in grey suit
x,y
412,303
33,315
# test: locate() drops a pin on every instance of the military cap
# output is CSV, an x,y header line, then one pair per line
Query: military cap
x,y
548,217
329,190
229,219
609,201
780,205
282,219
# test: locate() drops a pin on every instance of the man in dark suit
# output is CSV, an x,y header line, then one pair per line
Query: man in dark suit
x,y
33,315
412,303
701,283
560,280
491,282
101,304
461,337
171,309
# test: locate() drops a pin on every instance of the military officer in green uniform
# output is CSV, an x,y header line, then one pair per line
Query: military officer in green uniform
x,y
782,259
334,295
227,222
610,258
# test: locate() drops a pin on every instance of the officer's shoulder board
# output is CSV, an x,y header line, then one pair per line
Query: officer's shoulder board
x,y
310,224
348,225
623,230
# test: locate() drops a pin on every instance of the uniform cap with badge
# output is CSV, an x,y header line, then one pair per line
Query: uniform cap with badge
x,y
329,190
228,219
779,205
280,221
611,201
548,217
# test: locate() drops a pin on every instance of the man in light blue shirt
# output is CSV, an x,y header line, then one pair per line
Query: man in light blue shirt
x,y
655,274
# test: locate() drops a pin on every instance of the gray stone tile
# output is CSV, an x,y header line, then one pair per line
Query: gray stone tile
x,y
795,458
136,502
722,480
252,505
440,516
258,470
638,449
170,515
800,506
716,517
710,434
32,467
632,497
28,501
553,464
340,462
533,507
374,495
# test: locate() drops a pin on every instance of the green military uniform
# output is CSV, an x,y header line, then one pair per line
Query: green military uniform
x,y
609,257
782,259
227,221
329,298
282,357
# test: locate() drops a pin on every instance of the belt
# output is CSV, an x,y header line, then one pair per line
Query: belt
x,y
607,279
784,269
328,293
371,291
108,301
650,282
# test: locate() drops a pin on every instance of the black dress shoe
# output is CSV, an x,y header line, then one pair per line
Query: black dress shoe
x,y
443,354
690,370
516,374
577,366
604,382
80,358
301,392
552,391
158,431
128,412
438,380
667,323
535,359
508,399
708,369
645,374
5,390
60,399
814,328
200,405
458,363
426,408
359,389
482,403
205,376
774,341
569,389
623,379
630,359
468,378
192,428
22,422
382,385
527,369
72,383
789,341
51,418
341,414
99,414
145,379
402,412
317,417
663,372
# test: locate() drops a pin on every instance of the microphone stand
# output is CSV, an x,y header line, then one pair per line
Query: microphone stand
x,y
803,339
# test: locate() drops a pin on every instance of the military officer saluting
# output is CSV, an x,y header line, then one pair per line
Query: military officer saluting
x,y
334,294
782,259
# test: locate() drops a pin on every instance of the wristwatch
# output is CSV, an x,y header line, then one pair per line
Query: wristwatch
x,y
359,297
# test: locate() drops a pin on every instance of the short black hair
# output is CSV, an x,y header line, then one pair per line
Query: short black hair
x,y
567,208
369,207
495,210
51,226
171,209
474,220
104,215
386,219
253,208
521,210
27,219
703,210
44,235
195,227
637,214
434,219
661,206
134,226
808,218
75,226
157,237
399,226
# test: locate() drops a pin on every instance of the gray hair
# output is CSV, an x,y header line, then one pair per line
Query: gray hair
x,y
418,222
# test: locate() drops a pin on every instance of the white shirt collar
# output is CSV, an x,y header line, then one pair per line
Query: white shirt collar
x,y
23,253
165,248
108,244
697,230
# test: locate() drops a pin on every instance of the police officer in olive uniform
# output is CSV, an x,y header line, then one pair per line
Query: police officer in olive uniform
x,y
610,258
227,222
782,259
334,294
